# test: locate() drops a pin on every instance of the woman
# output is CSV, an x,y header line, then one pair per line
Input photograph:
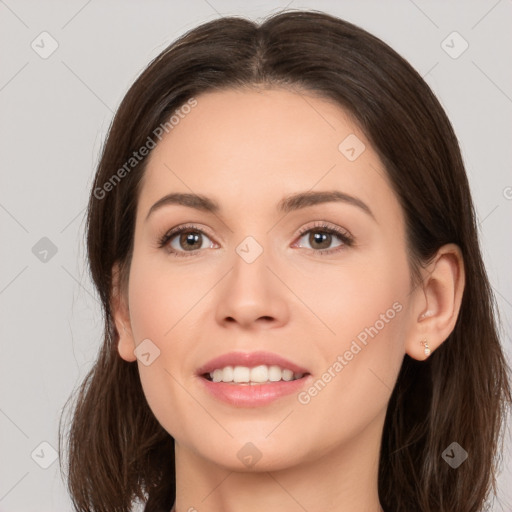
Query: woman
x,y
297,315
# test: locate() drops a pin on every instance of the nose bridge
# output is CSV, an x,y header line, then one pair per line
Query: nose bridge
x,y
251,237
250,249
250,265
251,290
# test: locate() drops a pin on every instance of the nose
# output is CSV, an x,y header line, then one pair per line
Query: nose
x,y
252,295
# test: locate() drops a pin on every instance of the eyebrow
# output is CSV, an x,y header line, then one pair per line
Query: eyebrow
x,y
288,204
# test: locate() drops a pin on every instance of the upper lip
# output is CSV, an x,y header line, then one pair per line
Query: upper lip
x,y
249,359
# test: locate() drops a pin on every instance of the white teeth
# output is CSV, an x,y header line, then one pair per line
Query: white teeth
x,y
227,374
216,375
287,375
241,374
274,373
257,375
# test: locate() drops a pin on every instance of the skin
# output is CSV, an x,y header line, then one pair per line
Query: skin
x,y
247,150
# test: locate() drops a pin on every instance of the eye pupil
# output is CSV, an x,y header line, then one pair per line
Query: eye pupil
x,y
188,239
321,237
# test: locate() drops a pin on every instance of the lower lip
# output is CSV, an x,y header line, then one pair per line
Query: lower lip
x,y
253,395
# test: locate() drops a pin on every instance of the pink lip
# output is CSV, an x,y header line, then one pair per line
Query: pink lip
x,y
250,359
252,395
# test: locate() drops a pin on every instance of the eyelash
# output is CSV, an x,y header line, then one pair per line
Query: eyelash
x,y
343,235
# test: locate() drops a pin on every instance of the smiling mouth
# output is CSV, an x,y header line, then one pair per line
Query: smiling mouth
x,y
252,376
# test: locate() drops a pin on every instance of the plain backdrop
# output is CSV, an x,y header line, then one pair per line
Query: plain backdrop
x,y
65,67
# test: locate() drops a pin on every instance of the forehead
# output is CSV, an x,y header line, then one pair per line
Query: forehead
x,y
244,147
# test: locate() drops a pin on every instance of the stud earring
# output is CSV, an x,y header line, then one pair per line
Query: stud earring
x,y
427,348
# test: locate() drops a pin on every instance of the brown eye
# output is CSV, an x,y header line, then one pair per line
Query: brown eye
x,y
183,240
189,240
321,238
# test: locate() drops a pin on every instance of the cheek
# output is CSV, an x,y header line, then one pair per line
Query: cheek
x,y
158,298
349,297
158,312
365,310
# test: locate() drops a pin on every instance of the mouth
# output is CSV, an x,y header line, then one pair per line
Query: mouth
x,y
252,379
252,376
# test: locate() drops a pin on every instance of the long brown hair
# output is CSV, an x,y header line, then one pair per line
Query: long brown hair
x,y
117,452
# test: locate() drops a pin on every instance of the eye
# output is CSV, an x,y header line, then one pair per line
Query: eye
x,y
321,237
189,237
186,240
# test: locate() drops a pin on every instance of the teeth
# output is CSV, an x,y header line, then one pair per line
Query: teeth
x,y
241,374
257,375
226,374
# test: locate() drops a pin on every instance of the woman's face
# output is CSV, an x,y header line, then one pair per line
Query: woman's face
x,y
266,273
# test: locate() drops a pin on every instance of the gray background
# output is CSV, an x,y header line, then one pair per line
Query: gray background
x,y
55,112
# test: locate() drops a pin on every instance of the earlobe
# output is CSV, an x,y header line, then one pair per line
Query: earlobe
x,y
121,317
437,302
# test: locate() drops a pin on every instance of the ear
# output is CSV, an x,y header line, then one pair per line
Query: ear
x,y
437,301
121,316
